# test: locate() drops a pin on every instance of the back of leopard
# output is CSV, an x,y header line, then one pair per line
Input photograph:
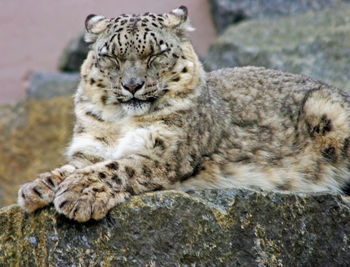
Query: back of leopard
x,y
285,132
149,118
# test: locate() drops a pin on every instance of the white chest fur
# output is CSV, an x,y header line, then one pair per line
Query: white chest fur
x,y
129,140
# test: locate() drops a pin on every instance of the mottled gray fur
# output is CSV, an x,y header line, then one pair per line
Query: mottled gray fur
x,y
149,118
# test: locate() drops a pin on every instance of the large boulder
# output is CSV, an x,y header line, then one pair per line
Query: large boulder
x,y
227,12
44,84
33,136
315,43
74,54
204,228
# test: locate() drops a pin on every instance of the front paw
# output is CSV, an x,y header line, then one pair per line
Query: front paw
x,y
36,194
82,197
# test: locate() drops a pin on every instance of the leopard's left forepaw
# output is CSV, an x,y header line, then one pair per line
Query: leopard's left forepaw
x,y
82,197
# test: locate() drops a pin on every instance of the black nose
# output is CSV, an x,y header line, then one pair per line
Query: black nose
x,y
133,87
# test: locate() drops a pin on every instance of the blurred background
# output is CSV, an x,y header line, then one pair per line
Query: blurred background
x,y
35,32
42,50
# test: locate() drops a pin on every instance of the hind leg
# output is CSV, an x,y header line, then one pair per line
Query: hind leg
x,y
324,124
325,119
319,160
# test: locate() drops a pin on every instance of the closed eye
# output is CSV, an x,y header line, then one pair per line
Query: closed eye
x,y
154,56
161,52
109,61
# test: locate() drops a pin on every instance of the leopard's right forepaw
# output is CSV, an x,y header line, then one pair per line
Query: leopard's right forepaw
x,y
35,195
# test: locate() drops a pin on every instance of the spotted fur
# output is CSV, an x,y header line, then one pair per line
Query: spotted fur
x,y
149,118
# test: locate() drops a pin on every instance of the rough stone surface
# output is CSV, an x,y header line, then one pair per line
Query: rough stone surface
x,y
206,228
50,84
74,54
226,12
316,44
1,197
33,136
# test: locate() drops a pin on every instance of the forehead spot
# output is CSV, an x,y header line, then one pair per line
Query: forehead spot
x,y
111,39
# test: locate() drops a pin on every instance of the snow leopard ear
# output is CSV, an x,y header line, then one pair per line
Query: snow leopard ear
x,y
178,20
94,25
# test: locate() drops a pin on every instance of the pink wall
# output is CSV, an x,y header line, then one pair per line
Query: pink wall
x,y
34,32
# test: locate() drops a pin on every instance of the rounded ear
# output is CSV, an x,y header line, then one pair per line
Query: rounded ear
x,y
178,20
94,25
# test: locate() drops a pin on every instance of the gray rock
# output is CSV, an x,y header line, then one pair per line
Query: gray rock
x,y
226,12
74,54
43,85
315,43
204,228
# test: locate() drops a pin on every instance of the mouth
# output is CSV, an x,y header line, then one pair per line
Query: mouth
x,y
136,106
138,102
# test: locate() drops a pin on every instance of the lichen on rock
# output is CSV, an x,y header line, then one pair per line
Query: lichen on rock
x,y
212,227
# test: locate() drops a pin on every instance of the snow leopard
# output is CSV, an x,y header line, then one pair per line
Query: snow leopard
x,y
148,118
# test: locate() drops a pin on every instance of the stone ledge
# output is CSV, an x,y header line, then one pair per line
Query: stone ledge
x,y
211,227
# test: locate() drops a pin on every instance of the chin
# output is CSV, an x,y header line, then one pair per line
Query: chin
x,y
136,107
